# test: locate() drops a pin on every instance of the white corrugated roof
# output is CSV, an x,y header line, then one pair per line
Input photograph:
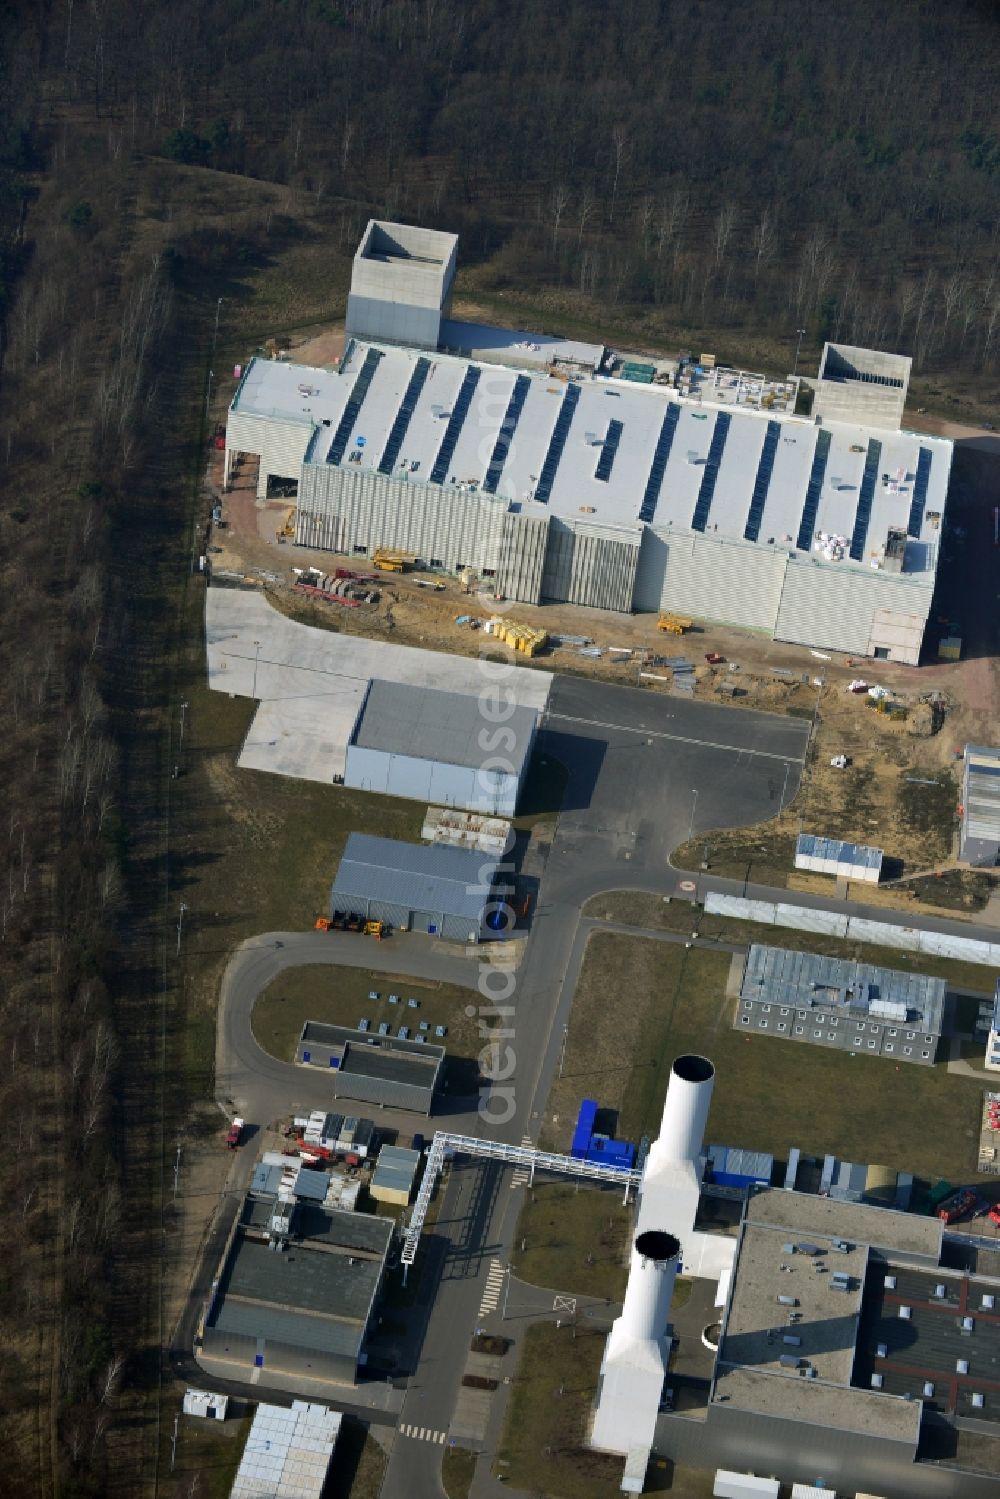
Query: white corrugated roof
x,y
735,472
288,1452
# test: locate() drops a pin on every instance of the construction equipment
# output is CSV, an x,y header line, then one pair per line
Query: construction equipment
x,y
375,929
674,624
524,638
433,583
286,530
393,562
714,659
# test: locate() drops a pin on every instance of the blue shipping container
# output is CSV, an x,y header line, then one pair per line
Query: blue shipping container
x,y
584,1129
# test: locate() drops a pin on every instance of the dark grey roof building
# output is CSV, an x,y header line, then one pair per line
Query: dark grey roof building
x,y
853,1347
296,1294
440,747
388,1070
447,892
833,1002
980,836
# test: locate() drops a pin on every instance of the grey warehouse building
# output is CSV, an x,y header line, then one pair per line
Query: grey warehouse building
x,y
393,1071
438,747
296,1294
833,1002
564,482
446,892
980,836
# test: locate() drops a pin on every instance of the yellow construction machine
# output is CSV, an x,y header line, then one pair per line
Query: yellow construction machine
x,y
674,624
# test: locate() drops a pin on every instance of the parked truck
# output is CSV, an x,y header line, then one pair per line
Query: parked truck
x,y
235,1134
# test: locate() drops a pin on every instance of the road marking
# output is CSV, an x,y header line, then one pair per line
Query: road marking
x,y
494,1285
423,1434
523,1173
732,749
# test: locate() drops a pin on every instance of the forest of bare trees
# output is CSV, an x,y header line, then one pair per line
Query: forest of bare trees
x,y
727,166
719,168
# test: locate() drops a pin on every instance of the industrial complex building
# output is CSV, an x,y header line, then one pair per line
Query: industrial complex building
x,y
297,1291
854,1351
547,470
980,835
393,1071
439,747
446,892
800,996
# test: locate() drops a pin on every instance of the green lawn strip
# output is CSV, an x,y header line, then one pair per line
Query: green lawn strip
x,y
543,1447
208,1453
458,1468
769,1094
574,1239
339,996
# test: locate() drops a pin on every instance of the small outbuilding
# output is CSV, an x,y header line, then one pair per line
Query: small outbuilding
x,y
447,748
980,836
396,1072
446,892
395,1175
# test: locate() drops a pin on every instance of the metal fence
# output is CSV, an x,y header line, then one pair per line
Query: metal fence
x,y
855,928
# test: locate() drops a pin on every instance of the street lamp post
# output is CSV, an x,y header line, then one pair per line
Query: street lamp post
x,y
180,926
562,1049
256,661
694,808
798,348
506,1294
215,334
208,393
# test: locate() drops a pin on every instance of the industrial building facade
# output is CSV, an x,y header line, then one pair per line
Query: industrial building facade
x,y
438,747
565,483
836,1003
394,1072
445,892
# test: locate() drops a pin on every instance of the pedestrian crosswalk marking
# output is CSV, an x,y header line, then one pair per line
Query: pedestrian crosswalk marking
x,y
423,1434
494,1285
523,1173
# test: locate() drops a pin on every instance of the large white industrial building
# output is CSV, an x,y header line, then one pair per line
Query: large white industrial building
x,y
531,463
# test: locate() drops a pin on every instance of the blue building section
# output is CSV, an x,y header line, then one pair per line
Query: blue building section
x,y
590,1146
607,1152
729,1166
584,1129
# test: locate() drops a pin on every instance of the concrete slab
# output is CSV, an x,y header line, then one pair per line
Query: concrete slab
x,y
310,682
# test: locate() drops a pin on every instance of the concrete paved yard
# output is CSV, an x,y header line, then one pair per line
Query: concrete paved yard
x,y
310,682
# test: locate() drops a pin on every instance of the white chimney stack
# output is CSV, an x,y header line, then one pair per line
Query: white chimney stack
x,y
685,1110
652,1272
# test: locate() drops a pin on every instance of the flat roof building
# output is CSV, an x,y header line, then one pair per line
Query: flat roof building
x,y
439,747
846,1344
296,1294
394,1175
980,836
396,1072
846,861
838,1003
288,1452
446,892
554,475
